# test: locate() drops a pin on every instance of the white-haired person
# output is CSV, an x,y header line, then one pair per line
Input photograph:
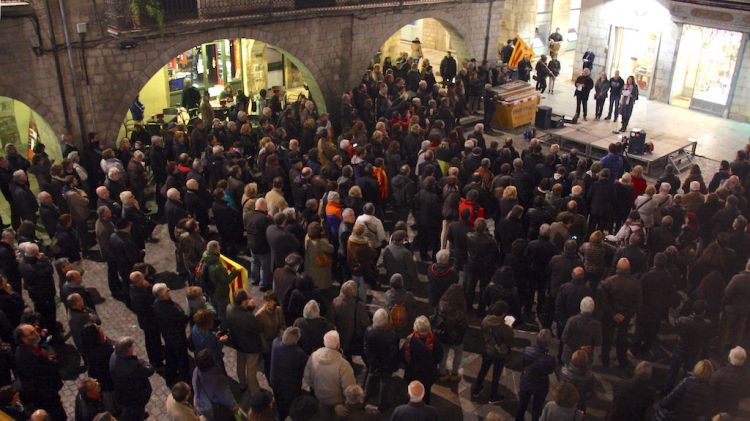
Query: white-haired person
x,y
328,375
142,225
731,383
417,408
288,363
172,322
422,353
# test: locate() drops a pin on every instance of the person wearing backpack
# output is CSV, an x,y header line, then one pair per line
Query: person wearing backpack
x,y
537,366
400,305
381,357
450,325
216,278
498,340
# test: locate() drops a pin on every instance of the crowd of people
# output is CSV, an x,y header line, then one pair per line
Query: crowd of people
x,y
589,254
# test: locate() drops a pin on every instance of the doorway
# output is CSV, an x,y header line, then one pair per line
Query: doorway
x,y
633,52
704,68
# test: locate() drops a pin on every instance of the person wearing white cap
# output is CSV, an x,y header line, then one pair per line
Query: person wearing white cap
x,y
582,331
731,383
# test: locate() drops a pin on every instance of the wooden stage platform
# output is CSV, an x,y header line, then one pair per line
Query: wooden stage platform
x,y
592,139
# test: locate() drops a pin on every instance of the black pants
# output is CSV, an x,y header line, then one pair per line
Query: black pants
x,y
132,413
497,365
614,102
489,114
160,200
177,362
526,397
376,386
627,111
600,106
154,348
474,272
125,282
582,102
45,306
646,331
113,280
619,332
428,238
541,84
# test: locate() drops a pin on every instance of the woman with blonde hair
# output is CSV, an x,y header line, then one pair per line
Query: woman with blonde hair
x,y
248,197
637,180
645,205
691,399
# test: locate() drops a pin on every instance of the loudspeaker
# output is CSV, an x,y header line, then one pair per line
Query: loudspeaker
x,y
637,142
543,117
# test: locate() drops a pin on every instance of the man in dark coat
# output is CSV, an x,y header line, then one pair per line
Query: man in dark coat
x,y
197,202
174,210
8,262
560,268
38,372
657,285
126,254
37,273
48,212
403,190
228,223
537,366
736,308
601,196
245,330
172,321
457,238
731,383
416,409
24,205
256,224
142,300
581,331
397,258
130,376
621,299
158,163
635,398
489,109
540,253
693,336
482,256
281,242
427,212
448,68
288,362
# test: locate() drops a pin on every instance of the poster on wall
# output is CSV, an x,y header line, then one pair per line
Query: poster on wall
x,y
8,127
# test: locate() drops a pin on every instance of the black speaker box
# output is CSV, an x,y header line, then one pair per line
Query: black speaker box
x,y
543,117
637,142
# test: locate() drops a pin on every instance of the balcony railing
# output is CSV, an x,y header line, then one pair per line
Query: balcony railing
x,y
122,16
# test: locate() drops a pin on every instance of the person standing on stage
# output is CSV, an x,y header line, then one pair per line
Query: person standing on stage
x,y
542,71
627,101
554,68
524,69
601,88
615,91
584,85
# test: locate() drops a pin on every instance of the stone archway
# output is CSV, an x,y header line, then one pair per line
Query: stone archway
x,y
311,69
42,107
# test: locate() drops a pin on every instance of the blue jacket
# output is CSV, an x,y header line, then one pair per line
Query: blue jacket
x,y
615,164
211,387
537,366
287,369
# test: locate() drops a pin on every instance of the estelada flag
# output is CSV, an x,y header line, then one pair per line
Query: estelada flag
x,y
240,281
520,50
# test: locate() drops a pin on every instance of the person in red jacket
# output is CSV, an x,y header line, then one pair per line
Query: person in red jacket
x,y
471,203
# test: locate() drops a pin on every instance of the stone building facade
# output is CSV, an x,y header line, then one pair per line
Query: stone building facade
x,y
335,46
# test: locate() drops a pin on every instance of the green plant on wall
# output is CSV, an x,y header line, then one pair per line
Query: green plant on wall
x,y
147,8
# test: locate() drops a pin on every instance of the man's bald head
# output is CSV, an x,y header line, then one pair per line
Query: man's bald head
x,y
623,264
416,391
192,184
102,193
578,273
572,205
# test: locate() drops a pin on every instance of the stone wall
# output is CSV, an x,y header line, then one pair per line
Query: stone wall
x,y
741,103
518,17
334,49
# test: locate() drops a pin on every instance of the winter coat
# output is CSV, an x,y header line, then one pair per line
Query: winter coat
x,y
130,376
580,377
351,319
440,277
67,240
328,374
381,350
172,321
621,294
244,329
311,333
218,275
211,387
38,374
287,369
690,399
568,299
399,259
282,243
560,268
730,384
421,354
415,412
658,286
360,257
38,278
228,222
737,294
317,252
601,195
428,210
49,214
481,249
174,211
24,202
580,330
633,401
273,324
498,337
537,366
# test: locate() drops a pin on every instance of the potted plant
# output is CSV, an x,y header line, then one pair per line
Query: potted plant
x,y
151,9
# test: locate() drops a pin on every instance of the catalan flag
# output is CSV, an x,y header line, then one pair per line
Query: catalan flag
x,y
240,281
520,50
